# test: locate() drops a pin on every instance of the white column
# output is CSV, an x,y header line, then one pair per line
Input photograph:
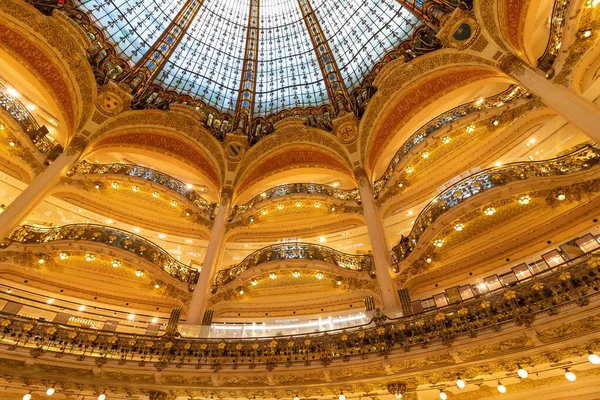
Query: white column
x,y
379,244
575,109
213,256
36,192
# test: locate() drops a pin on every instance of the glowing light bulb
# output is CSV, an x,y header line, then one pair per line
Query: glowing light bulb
x,y
342,396
501,388
571,377
594,358
50,391
102,396
522,372
443,395
460,383
27,396
398,395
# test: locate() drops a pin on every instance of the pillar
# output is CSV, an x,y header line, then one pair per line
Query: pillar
x,y
379,244
575,109
38,190
212,259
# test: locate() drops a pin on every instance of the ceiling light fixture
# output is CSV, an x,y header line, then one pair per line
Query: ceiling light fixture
x,y
489,211
571,377
501,388
460,383
593,358
522,372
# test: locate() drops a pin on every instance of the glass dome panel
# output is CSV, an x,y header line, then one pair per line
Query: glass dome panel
x,y
134,26
288,71
207,63
360,32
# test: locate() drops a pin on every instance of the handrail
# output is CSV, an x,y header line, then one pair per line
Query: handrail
x,y
110,236
578,160
149,174
446,118
558,21
297,188
36,133
566,285
290,251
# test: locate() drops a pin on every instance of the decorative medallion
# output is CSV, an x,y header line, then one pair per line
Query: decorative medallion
x,y
460,30
346,128
235,146
112,99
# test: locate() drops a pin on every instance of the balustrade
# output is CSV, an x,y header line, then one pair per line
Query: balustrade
x,y
557,24
571,283
511,94
297,188
36,133
149,174
124,240
290,251
579,160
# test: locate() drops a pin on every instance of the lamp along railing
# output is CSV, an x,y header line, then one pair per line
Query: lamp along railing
x,y
291,251
37,134
511,94
557,23
569,284
297,188
109,236
148,174
578,160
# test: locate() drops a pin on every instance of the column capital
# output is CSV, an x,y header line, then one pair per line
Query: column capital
x,y
226,195
360,174
77,145
511,65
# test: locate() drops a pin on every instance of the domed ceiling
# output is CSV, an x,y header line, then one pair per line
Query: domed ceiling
x,y
284,49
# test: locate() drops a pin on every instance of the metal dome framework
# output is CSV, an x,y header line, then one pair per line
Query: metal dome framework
x,y
244,63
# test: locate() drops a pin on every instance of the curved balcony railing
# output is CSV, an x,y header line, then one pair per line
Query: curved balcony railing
x,y
291,251
442,120
582,159
112,237
297,188
149,174
557,23
571,283
36,133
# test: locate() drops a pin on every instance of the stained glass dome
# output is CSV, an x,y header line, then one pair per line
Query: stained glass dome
x,y
292,53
